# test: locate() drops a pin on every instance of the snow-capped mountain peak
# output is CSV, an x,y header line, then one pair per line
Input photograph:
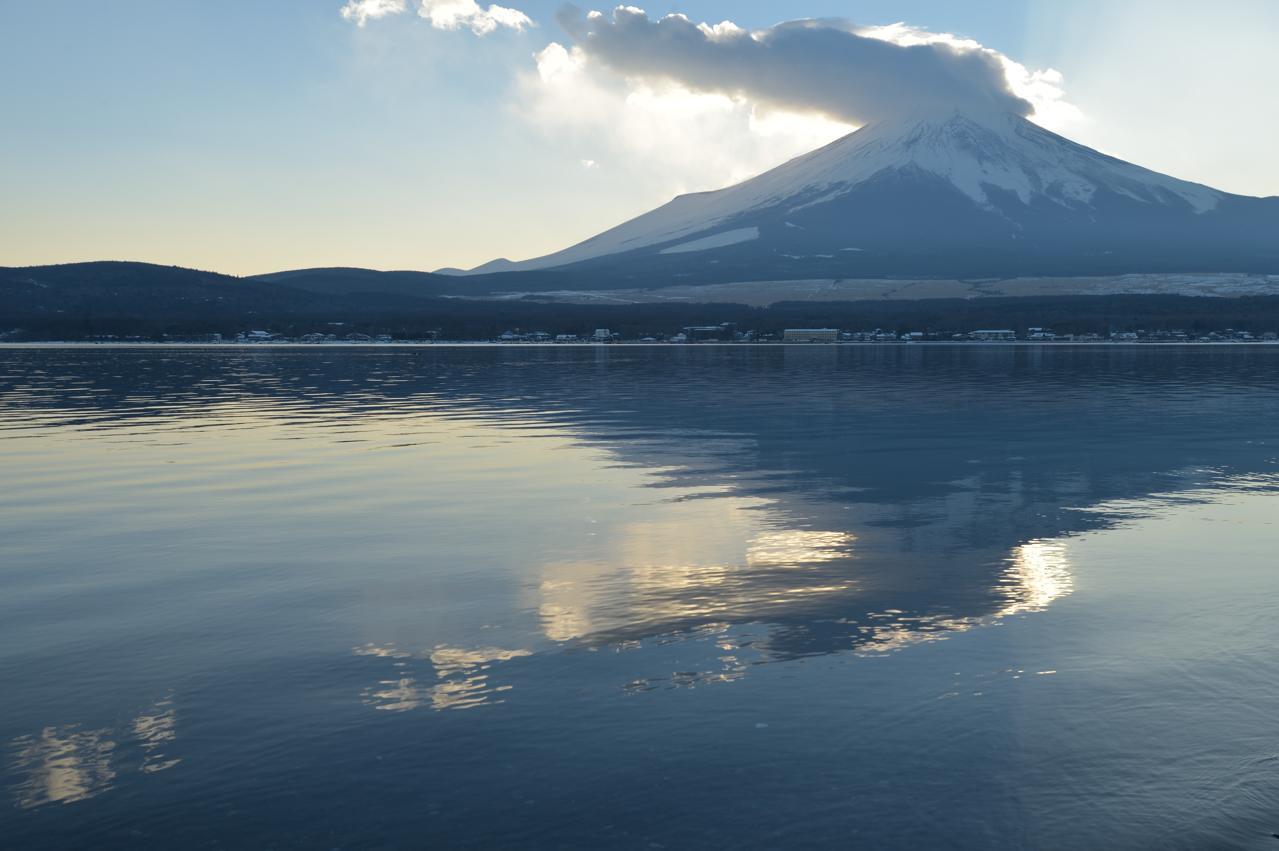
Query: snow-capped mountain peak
x,y
906,181
1005,152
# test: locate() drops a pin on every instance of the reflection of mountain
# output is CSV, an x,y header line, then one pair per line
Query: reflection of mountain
x,y
828,499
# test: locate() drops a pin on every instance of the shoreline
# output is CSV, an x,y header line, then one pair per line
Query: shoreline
x,y
423,344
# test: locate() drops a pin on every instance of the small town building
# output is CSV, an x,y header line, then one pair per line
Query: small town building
x,y
996,335
810,335
705,333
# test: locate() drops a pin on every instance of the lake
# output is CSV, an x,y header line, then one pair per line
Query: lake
x,y
639,597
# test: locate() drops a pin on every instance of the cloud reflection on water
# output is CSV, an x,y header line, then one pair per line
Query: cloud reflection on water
x,y
62,765
68,764
1039,574
462,678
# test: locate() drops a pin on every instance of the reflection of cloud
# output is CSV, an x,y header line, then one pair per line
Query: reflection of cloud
x,y
389,651
464,675
663,573
62,765
1039,574
393,695
396,695
563,616
463,678
739,560
155,730
731,663
65,764
798,547
451,660
889,631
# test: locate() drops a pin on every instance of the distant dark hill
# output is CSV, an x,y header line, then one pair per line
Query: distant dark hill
x,y
146,290
80,299
112,273
119,287
83,301
349,281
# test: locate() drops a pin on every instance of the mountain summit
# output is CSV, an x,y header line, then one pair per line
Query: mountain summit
x,y
950,194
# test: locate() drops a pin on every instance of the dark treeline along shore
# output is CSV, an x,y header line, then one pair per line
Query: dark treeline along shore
x,y
88,301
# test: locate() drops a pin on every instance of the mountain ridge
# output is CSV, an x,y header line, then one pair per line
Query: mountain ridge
x,y
930,194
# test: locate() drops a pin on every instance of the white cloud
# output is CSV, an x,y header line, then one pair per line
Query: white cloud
x,y
678,140
362,11
456,14
823,66
1041,88
443,14
671,139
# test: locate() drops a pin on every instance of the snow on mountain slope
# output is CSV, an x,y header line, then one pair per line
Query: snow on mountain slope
x,y
719,240
974,155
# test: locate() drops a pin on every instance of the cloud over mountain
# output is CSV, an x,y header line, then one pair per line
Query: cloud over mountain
x,y
823,66
669,102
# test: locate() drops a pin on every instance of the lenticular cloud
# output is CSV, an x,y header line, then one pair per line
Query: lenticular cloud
x,y
821,66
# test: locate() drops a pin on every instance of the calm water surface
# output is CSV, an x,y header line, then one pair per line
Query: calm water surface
x,y
694,597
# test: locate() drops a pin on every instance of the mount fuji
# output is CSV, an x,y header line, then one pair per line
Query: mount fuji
x,y
945,194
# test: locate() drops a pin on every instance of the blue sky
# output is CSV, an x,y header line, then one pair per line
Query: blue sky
x,y
248,136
